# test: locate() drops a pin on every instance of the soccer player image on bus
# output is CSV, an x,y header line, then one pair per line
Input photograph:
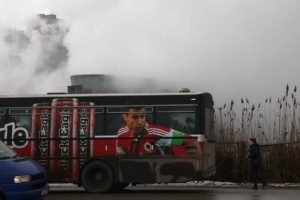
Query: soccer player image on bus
x,y
139,137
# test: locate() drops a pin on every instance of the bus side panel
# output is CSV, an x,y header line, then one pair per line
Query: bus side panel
x,y
208,156
104,147
83,144
23,151
64,124
55,134
40,131
158,169
15,132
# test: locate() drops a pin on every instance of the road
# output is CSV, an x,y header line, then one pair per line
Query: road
x,y
180,193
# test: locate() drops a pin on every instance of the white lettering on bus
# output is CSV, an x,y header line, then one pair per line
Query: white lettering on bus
x,y
64,139
83,126
14,137
43,135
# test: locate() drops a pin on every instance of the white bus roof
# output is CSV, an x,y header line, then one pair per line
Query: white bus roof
x,y
100,94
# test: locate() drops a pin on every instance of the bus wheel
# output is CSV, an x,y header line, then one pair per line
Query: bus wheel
x,y
97,177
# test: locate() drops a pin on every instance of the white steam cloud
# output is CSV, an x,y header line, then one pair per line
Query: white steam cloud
x,y
230,48
33,60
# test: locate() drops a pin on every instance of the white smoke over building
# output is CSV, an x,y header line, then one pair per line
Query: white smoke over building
x,y
104,83
33,60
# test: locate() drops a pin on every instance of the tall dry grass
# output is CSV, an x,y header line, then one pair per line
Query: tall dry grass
x,y
275,125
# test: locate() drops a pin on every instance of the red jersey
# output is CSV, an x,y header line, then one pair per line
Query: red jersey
x,y
154,140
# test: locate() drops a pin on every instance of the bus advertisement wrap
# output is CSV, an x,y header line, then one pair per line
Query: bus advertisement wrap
x,y
77,139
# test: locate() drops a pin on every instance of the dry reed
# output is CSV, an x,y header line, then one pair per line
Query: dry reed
x,y
275,125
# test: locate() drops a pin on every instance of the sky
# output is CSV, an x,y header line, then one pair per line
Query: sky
x,y
230,48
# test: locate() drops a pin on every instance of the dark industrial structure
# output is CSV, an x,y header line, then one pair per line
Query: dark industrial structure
x,y
91,83
104,83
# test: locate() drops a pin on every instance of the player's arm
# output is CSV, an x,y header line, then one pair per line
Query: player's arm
x,y
176,138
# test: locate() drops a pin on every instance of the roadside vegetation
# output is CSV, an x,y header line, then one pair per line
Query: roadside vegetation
x,y
275,124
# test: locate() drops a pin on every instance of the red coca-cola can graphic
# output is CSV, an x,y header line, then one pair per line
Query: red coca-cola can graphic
x,y
83,146
64,123
40,131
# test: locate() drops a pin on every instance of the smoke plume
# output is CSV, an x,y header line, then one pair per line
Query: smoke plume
x,y
35,58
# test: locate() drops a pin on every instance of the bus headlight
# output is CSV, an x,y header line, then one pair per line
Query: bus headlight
x,y
22,179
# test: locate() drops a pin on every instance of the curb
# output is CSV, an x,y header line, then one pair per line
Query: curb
x,y
200,184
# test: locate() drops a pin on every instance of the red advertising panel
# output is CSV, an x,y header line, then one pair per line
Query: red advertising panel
x,y
64,123
40,131
84,144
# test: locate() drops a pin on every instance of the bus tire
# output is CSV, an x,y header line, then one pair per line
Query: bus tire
x,y
97,177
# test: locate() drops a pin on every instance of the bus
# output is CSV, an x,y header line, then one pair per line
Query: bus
x,y
90,139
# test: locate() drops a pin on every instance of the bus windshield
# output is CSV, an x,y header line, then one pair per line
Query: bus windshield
x,y
5,151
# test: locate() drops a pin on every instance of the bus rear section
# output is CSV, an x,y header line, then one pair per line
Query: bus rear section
x,y
87,141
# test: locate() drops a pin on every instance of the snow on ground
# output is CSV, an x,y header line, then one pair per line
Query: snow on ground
x,y
206,183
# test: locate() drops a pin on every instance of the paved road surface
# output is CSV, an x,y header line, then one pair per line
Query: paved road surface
x,y
179,193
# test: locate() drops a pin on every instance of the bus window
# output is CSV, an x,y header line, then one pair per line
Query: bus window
x,y
2,112
21,117
178,118
2,118
115,119
3,121
114,122
17,125
99,121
